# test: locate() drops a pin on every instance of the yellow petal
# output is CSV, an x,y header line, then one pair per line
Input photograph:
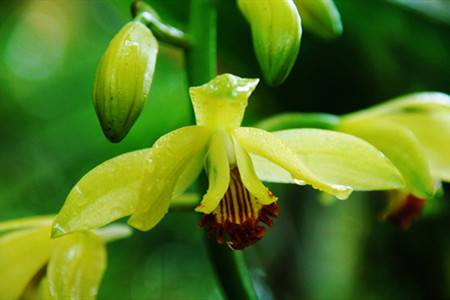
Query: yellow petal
x,y
218,171
107,193
222,101
190,174
76,266
432,129
44,290
249,178
270,172
402,148
22,254
171,155
342,159
271,147
419,102
26,223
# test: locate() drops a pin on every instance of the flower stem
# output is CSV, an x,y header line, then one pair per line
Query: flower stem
x,y
201,60
142,12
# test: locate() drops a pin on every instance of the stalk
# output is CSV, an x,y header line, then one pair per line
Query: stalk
x,y
201,60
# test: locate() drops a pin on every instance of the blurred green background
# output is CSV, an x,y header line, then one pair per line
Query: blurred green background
x,y
50,137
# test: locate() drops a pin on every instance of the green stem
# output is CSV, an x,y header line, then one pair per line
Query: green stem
x,y
201,60
142,12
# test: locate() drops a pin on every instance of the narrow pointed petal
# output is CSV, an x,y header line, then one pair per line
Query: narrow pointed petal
x,y
432,129
403,149
218,172
249,178
342,159
320,17
76,266
171,154
106,193
420,102
222,101
22,254
271,147
26,223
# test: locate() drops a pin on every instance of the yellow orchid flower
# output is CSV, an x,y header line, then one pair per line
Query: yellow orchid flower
x,y
33,266
142,183
413,131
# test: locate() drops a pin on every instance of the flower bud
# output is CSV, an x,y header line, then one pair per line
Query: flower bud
x,y
320,17
123,80
276,31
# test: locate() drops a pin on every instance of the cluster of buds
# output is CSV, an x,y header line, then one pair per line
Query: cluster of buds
x,y
125,73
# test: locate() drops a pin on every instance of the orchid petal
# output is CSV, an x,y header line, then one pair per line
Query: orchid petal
x,y
403,149
19,262
249,178
271,147
222,101
270,172
25,223
432,130
106,193
342,159
218,171
190,174
76,266
171,155
423,101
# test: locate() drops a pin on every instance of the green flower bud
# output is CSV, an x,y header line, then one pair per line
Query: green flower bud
x,y
123,80
320,17
276,31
